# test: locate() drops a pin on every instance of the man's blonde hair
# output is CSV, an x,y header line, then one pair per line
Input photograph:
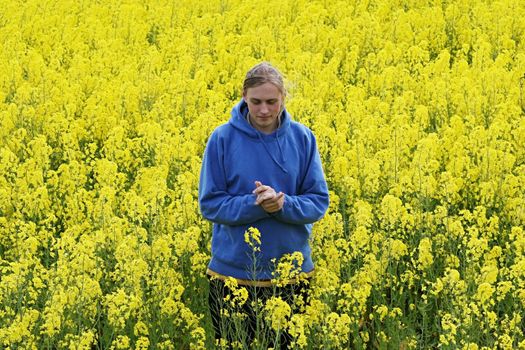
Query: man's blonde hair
x,y
262,73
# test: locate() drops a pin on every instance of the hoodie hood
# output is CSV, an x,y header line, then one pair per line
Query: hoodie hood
x,y
240,122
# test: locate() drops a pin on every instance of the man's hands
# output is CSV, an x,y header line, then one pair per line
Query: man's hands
x,y
267,198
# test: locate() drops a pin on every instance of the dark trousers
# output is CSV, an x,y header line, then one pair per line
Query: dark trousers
x,y
246,323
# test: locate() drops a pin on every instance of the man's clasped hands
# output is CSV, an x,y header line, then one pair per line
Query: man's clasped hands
x,y
267,198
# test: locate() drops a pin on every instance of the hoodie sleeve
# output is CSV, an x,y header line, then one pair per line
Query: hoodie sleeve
x,y
216,204
311,202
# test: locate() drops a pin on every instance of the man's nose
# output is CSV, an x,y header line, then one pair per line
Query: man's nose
x,y
264,108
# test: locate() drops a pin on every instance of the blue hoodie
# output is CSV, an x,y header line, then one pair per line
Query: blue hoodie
x,y
236,156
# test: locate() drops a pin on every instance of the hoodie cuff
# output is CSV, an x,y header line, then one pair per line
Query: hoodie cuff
x,y
276,213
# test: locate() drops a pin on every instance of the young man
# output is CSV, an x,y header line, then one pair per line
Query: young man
x,y
261,170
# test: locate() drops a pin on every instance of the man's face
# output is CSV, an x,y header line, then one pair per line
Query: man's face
x,y
264,103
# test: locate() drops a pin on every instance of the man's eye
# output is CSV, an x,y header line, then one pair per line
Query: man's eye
x,y
256,102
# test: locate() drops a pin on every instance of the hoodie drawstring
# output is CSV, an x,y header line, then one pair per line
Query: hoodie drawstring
x,y
270,153
283,157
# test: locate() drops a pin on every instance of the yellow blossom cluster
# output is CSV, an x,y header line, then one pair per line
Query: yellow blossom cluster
x,y
418,107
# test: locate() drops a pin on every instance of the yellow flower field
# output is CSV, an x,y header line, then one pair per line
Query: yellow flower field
x,y
418,107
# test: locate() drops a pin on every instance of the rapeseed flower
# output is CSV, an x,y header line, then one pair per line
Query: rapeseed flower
x,y
418,115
